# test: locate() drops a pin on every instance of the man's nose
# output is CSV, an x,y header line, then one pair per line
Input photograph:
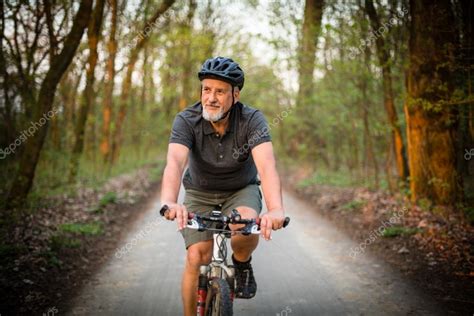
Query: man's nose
x,y
213,97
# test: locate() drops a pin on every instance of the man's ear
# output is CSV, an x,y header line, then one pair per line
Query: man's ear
x,y
236,94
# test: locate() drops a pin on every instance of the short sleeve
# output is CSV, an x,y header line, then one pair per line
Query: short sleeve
x,y
181,132
258,131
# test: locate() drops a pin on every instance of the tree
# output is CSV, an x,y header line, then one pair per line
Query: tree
x,y
93,35
385,63
431,120
59,62
313,12
109,83
127,81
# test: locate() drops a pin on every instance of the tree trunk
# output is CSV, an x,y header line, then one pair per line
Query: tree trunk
x,y
370,158
93,34
109,84
127,80
24,179
185,97
313,13
431,124
384,60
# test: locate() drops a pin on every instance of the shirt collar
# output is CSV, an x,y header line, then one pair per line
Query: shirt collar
x,y
208,129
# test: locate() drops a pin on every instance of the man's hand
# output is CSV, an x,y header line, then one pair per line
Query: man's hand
x,y
179,212
271,220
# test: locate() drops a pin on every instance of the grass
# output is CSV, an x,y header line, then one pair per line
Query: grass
x,y
7,252
52,170
91,229
52,258
108,198
354,205
342,178
400,231
58,242
338,179
469,213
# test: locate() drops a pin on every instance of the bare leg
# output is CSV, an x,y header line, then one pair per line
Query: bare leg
x,y
243,246
197,255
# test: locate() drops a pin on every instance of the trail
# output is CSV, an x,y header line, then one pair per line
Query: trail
x,y
305,270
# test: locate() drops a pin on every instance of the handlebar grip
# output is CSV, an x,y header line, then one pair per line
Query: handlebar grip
x,y
164,209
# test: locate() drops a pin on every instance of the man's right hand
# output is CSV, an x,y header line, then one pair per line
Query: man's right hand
x,y
179,212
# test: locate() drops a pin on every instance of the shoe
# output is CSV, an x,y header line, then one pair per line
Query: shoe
x,y
245,287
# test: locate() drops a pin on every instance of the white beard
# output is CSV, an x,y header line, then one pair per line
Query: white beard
x,y
212,117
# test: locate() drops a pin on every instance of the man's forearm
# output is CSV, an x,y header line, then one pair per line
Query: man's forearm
x,y
272,189
170,189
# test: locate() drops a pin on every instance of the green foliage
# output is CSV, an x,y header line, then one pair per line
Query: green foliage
x,y
322,177
469,213
108,198
52,258
58,242
354,205
400,231
425,204
7,252
92,229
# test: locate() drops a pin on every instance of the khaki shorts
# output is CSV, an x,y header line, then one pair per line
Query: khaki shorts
x,y
204,202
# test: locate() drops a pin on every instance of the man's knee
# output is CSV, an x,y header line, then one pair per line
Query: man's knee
x,y
247,212
199,253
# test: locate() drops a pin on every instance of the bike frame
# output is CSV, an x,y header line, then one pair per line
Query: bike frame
x,y
216,269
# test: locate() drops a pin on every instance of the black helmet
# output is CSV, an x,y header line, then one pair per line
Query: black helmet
x,y
224,69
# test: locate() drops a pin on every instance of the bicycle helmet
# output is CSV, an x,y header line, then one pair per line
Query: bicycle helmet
x,y
224,69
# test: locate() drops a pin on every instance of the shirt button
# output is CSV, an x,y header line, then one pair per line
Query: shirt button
x,y
219,144
217,135
221,156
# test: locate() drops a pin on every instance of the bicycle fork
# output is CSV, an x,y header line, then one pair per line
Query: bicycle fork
x,y
206,273
202,290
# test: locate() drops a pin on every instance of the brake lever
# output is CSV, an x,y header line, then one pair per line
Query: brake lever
x,y
195,224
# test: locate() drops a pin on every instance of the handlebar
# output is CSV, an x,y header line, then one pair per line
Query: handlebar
x,y
215,217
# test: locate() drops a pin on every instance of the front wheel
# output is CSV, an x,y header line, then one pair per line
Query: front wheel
x,y
218,301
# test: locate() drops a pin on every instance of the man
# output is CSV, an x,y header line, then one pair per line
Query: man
x,y
227,144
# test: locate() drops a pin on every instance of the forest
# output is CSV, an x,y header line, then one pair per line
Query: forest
x,y
363,93
379,98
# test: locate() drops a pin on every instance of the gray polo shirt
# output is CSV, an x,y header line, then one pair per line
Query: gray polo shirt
x,y
220,163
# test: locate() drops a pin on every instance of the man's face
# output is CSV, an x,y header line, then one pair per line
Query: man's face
x,y
216,98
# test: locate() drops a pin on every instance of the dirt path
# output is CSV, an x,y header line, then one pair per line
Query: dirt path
x,y
305,270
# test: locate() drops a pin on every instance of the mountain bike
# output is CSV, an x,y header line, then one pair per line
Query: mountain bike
x,y
216,285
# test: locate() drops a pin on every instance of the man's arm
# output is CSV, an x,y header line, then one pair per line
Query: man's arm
x,y
266,166
176,161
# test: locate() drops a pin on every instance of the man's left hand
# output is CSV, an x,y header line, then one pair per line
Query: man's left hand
x,y
271,220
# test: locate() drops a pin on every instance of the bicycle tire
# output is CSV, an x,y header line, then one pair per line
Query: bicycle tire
x,y
219,302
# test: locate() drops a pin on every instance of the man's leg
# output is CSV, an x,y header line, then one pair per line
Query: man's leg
x,y
197,254
243,246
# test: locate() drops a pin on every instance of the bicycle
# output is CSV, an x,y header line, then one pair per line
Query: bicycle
x,y
216,285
